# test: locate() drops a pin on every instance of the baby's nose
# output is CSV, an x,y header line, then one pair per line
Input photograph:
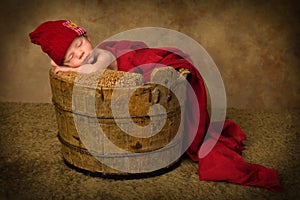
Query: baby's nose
x,y
79,54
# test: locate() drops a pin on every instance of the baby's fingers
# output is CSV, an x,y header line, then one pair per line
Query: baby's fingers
x,y
56,70
61,69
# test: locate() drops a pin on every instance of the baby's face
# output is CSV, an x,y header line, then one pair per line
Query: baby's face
x,y
78,51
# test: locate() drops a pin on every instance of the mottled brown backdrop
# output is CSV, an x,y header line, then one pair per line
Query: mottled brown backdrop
x,y
254,43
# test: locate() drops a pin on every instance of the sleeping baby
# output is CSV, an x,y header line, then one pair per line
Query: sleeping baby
x,y
70,49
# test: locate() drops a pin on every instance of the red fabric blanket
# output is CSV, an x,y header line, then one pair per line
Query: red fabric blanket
x,y
224,162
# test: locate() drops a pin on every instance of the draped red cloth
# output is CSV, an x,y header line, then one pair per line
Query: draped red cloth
x,y
224,162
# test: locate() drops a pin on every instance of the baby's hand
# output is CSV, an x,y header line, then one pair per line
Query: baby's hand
x,y
65,69
62,68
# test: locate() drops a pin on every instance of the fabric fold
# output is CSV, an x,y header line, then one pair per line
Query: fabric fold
x,y
224,162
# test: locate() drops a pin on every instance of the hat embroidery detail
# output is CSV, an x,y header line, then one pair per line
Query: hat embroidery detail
x,y
74,27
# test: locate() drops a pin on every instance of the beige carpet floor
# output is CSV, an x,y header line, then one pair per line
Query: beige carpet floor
x,y
32,167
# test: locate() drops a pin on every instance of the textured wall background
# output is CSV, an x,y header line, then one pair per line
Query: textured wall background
x,y
254,44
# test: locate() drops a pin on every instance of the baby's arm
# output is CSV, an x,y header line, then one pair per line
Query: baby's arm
x,y
100,59
65,69
62,68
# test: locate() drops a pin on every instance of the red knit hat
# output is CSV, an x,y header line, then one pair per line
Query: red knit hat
x,y
55,37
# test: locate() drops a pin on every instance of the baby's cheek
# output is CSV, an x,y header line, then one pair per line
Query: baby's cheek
x,y
76,63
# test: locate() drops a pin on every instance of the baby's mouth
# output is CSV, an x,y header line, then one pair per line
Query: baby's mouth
x,y
90,59
85,59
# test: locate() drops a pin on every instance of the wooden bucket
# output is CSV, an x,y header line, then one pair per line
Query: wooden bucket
x,y
96,112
